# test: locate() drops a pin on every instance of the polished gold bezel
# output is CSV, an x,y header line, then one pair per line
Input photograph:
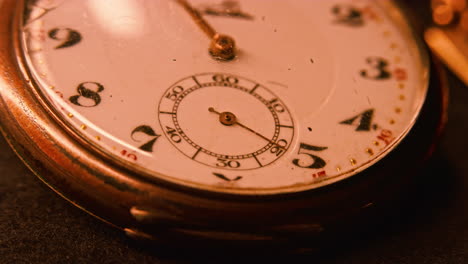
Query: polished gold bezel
x,y
163,210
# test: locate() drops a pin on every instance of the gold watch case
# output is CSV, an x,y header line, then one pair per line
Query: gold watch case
x,y
165,212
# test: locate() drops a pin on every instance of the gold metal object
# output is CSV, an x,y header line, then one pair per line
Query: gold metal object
x,y
223,47
443,14
456,5
155,209
451,47
229,119
448,39
226,118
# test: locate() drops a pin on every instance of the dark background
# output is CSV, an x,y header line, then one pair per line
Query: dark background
x,y
38,226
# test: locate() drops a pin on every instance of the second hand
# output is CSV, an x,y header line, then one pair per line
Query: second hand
x,y
229,119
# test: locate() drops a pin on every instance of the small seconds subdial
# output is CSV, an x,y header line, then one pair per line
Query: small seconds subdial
x,y
226,121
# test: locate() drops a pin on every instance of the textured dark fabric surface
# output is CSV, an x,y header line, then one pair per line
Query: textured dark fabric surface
x,y
38,226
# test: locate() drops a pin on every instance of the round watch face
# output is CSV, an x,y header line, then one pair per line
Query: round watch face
x,y
313,92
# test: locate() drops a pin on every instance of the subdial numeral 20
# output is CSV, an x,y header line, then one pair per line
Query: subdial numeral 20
x,y
279,148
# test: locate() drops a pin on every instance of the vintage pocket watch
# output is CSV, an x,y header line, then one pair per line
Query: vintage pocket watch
x,y
239,122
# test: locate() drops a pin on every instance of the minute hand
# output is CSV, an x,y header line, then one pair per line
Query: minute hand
x,y
222,47
201,22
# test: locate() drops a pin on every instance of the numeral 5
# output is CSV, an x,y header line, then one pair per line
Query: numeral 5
x,y
308,160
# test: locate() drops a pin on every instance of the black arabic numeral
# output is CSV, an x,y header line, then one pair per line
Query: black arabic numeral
x,y
148,131
315,162
69,37
379,69
224,178
175,137
365,120
90,92
348,15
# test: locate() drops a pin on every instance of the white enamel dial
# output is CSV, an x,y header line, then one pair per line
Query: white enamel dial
x,y
317,92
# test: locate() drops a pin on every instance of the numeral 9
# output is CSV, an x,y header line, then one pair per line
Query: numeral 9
x,y
69,37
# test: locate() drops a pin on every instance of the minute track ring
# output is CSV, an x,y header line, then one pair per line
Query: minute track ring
x,y
225,84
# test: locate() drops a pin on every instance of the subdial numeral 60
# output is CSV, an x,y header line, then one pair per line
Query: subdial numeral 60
x,y
225,79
